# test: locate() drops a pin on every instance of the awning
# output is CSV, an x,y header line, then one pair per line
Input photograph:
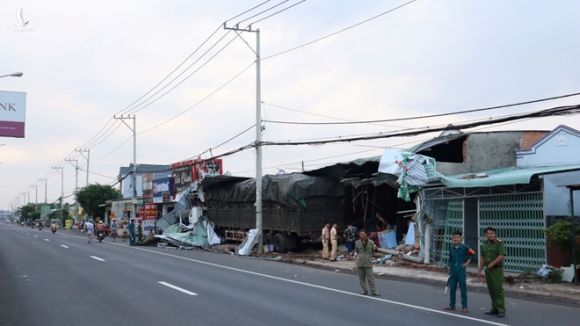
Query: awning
x,y
502,177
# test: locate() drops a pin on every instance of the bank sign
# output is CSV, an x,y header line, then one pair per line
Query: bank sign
x,y
12,114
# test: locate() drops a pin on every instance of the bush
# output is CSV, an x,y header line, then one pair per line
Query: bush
x,y
559,234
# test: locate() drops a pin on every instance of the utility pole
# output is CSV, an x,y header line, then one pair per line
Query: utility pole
x,y
76,166
134,170
86,157
61,171
258,142
45,188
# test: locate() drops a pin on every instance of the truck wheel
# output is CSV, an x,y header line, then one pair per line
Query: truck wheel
x,y
280,243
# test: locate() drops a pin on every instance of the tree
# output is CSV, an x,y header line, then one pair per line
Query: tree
x,y
29,212
94,195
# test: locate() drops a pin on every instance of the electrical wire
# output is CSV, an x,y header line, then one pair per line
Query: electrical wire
x,y
114,150
261,12
277,12
337,32
200,101
427,116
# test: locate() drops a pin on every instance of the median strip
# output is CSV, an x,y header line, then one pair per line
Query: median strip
x,y
177,288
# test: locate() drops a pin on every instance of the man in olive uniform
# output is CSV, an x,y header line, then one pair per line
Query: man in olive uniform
x,y
363,250
492,255
325,238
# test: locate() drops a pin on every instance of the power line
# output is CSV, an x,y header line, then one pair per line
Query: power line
x,y
261,12
338,32
426,116
200,101
223,143
277,12
247,11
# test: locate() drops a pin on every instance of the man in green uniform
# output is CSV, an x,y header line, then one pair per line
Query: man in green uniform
x,y
363,250
492,255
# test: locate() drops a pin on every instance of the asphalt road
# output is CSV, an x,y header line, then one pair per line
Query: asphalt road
x,y
62,280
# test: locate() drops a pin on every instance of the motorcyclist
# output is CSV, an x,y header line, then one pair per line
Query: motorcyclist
x,y
53,228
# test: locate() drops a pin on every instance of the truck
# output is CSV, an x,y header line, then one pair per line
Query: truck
x,y
295,207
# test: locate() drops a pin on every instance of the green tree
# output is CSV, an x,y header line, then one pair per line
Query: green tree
x,y
94,195
29,212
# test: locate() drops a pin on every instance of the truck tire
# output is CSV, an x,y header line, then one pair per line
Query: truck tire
x,y
280,243
284,243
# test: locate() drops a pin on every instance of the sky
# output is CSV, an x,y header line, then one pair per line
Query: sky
x,y
85,61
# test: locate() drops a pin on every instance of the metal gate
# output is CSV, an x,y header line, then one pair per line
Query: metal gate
x,y
519,222
442,229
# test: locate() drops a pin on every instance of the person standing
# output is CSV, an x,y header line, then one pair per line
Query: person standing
x,y
459,258
325,237
363,250
114,230
132,234
349,235
333,242
90,230
492,255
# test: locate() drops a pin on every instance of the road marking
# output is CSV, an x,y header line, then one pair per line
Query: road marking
x,y
47,240
97,258
35,236
64,246
407,305
177,288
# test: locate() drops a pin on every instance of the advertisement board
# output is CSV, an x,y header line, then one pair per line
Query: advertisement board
x,y
182,173
162,188
148,185
150,211
203,168
12,114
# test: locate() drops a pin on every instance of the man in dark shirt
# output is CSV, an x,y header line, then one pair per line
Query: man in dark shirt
x,y
459,258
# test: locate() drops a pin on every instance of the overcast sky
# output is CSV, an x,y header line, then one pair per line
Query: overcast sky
x,y
84,61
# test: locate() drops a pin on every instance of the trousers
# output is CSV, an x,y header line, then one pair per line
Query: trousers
x,y
324,249
334,248
367,279
457,277
494,280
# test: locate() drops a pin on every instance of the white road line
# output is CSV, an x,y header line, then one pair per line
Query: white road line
x,y
177,288
64,246
97,258
407,305
47,240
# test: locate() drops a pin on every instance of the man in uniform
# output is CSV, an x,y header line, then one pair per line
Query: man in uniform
x,y
492,255
325,237
333,242
363,250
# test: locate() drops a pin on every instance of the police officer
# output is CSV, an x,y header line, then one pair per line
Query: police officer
x,y
492,255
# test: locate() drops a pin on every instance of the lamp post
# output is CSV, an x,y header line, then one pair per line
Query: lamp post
x,y
16,74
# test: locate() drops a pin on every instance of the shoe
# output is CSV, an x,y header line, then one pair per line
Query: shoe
x,y
376,294
501,314
491,312
449,308
364,293
465,310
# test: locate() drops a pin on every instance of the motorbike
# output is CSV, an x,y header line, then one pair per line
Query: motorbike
x,y
100,235
53,229
40,226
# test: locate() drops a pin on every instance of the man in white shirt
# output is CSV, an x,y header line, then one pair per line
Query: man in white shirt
x,y
90,230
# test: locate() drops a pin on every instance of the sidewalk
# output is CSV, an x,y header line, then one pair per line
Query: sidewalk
x,y
433,274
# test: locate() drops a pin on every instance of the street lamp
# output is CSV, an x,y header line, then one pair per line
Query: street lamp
x,y
16,74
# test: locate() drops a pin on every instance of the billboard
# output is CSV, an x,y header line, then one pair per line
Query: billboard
x,y
203,168
148,185
182,173
162,188
12,114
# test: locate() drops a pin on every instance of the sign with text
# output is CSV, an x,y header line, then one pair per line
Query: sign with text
x,y
12,114
162,188
182,173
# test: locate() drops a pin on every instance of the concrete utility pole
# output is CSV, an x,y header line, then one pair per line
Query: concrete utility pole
x,y
61,171
134,170
45,188
35,193
258,142
87,157
76,166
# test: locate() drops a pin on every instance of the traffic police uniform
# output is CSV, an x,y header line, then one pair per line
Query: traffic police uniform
x,y
364,254
490,250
